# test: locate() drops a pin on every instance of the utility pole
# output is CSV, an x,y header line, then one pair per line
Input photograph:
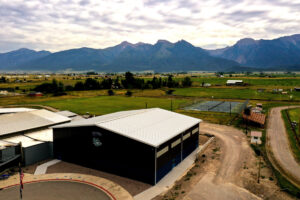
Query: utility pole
x,y
230,107
259,157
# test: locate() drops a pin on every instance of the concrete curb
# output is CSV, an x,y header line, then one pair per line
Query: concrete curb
x,y
112,189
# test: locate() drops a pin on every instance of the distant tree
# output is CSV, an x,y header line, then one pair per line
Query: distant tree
x,y
69,88
54,87
110,92
91,84
129,81
116,83
107,83
91,73
79,86
172,83
156,83
2,79
248,73
187,82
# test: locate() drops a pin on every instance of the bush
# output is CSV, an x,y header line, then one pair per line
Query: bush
x,y
128,93
110,92
169,92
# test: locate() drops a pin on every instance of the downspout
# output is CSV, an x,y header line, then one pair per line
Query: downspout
x,y
155,165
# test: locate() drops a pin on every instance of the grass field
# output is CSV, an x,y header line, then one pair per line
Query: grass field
x,y
254,81
234,93
107,104
295,114
293,143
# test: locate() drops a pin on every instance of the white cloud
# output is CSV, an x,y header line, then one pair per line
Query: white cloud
x,y
62,24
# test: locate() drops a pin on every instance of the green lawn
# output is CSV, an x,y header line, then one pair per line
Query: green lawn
x,y
295,114
107,104
233,93
288,81
293,143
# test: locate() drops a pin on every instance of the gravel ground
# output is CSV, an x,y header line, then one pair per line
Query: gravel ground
x,y
279,145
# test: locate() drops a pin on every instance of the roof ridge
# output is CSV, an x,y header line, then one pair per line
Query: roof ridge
x,y
120,117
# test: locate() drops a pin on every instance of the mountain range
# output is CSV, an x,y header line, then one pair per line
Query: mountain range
x,y
246,55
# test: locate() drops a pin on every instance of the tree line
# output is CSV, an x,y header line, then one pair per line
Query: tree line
x,y
129,82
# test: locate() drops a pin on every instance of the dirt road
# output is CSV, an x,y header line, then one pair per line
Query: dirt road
x,y
224,182
278,146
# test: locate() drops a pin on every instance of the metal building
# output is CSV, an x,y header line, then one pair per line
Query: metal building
x,y
140,144
31,130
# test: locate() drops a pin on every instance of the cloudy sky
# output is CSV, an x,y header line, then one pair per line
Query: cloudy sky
x,y
63,24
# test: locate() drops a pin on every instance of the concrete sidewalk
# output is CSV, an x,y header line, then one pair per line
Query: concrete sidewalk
x,y
42,169
175,174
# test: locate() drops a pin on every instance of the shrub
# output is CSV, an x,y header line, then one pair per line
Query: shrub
x,y
128,93
110,92
169,92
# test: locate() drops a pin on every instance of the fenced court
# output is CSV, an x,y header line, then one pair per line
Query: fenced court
x,y
218,106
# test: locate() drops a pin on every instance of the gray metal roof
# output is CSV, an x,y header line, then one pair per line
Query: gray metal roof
x,y
66,113
150,126
24,121
14,110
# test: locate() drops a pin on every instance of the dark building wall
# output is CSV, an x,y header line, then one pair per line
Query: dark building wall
x,y
37,153
101,149
120,155
176,151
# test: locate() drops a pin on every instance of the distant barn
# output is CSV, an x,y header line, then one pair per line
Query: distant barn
x,y
35,94
234,82
140,144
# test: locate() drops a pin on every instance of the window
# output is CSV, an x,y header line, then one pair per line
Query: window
x,y
186,136
162,151
175,143
255,137
196,130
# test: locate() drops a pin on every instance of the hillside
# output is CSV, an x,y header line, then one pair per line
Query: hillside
x,y
281,52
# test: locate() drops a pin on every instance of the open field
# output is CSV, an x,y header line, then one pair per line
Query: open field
x,y
108,104
294,115
234,93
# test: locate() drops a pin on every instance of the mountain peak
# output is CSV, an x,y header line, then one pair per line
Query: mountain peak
x,y
125,44
246,42
163,42
23,50
184,43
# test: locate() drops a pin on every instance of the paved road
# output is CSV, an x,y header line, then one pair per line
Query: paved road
x,y
56,190
279,145
221,184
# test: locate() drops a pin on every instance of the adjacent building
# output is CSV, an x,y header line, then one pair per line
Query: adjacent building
x,y
140,144
255,137
32,130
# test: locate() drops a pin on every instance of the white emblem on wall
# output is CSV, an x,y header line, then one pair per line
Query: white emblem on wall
x,y
96,139
97,142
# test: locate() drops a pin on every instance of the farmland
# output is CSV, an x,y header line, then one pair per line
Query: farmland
x,y
98,102
106,104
